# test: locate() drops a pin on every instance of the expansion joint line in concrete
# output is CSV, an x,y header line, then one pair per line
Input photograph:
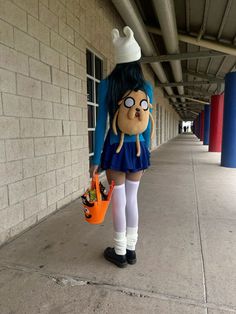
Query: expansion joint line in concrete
x,y
199,233
72,281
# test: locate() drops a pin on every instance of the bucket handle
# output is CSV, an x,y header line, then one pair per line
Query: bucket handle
x,y
111,190
96,179
97,187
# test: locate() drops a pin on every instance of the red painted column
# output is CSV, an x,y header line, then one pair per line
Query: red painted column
x,y
216,124
202,126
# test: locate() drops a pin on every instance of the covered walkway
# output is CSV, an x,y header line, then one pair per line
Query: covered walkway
x,y
186,252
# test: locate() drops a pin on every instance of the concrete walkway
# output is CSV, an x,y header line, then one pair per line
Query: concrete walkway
x,y
186,250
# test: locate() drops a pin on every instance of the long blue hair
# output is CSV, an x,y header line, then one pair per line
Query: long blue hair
x,y
124,77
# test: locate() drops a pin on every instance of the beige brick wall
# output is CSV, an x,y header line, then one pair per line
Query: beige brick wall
x,y
43,109
168,131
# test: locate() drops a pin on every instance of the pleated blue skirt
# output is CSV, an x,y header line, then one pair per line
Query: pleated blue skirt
x,y
126,160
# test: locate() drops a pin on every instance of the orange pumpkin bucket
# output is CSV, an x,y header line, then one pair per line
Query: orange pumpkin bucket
x,y
96,201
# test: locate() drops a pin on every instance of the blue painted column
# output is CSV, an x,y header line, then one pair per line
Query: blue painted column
x,y
199,126
228,156
202,126
206,125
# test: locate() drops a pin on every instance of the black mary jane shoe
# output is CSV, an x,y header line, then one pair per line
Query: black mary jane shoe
x,y
131,257
118,260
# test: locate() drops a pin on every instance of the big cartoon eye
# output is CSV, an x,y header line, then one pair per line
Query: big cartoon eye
x,y
129,102
144,104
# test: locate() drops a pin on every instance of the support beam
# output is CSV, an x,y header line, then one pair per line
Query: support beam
x,y
193,83
203,27
186,103
205,76
198,62
209,44
221,65
225,17
195,109
187,14
193,112
198,101
196,106
182,56
196,112
199,91
220,88
187,62
186,96
233,68
209,65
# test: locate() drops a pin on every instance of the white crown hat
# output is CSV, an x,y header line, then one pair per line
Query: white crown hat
x,y
126,48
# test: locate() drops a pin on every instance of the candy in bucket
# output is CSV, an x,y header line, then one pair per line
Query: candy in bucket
x,y
96,201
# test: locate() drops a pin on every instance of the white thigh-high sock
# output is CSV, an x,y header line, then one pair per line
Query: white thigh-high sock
x,y
131,191
131,188
118,203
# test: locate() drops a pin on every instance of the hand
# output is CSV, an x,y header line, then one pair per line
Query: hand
x,y
93,170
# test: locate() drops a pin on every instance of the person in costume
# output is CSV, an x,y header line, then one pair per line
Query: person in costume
x,y
123,156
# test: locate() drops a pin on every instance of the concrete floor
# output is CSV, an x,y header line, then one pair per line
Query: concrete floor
x,y
186,250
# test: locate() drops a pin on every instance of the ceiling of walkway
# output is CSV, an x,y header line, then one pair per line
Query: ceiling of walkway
x,y
194,44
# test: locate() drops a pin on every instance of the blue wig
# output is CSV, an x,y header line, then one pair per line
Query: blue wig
x,y
124,77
